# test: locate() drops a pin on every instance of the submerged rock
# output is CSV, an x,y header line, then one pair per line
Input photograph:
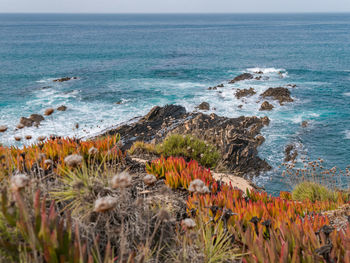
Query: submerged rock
x,y
304,124
281,94
216,87
244,93
236,138
266,106
64,79
241,77
62,108
203,106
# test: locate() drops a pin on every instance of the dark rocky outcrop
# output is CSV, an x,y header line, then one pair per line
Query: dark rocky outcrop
x,y
290,152
34,119
304,124
64,79
26,122
266,106
203,106
244,93
244,76
236,138
37,118
281,94
62,108
158,114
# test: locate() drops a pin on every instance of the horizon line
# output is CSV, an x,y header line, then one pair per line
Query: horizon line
x,y
176,13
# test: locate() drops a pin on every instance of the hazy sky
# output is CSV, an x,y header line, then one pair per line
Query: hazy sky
x,y
173,6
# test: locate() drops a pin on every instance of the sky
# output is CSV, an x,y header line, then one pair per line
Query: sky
x,y
173,6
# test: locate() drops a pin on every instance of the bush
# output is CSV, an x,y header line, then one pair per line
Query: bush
x,y
185,146
313,192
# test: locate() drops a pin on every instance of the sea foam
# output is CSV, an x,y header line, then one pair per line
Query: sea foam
x,y
267,70
347,134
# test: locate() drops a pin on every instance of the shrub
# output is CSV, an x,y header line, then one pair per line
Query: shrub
x,y
313,192
186,146
142,147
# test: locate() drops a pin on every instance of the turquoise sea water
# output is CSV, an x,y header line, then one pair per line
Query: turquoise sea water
x,y
147,60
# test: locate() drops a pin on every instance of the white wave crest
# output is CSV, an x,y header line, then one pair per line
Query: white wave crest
x,y
347,94
347,134
267,70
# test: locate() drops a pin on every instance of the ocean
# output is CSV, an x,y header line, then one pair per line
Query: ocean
x,y
126,64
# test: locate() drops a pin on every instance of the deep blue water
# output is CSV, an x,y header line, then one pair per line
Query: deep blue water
x,y
147,60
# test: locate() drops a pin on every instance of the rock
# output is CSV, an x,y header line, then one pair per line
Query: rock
x,y
158,114
241,77
266,106
244,93
37,118
119,102
49,111
258,78
265,121
236,138
3,128
26,122
64,79
260,139
240,106
292,85
259,72
304,124
216,87
281,94
62,108
291,153
28,137
20,126
203,106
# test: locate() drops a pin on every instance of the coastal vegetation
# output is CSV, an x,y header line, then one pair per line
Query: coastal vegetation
x,y
69,200
187,146
313,192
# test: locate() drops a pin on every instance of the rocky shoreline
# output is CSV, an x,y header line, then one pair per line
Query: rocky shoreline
x,y
236,138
